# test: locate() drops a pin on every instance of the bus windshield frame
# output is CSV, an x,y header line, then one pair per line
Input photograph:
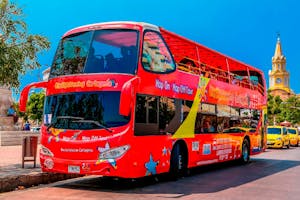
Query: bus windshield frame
x,y
84,111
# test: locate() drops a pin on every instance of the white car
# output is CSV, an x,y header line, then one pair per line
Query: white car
x,y
35,129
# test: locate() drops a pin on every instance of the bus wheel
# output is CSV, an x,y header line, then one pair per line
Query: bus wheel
x,y
178,163
245,152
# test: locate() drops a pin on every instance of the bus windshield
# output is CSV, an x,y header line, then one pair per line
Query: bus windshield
x,y
100,51
84,111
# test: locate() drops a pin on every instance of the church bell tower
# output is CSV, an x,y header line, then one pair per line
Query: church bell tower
x,y
279,77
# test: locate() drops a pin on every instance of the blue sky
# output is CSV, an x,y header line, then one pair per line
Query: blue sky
x,y
243,29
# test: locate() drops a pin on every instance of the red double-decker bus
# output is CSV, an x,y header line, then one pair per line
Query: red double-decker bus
x,y
128,99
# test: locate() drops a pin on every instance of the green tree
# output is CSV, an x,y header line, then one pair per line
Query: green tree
x,y
35,106
18,49
290,110
274,108
23,115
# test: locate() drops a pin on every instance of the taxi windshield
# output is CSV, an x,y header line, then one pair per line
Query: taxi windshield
x,y
291,131
274,131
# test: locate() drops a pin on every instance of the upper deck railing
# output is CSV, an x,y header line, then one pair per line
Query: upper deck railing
x,y
196,58
202,69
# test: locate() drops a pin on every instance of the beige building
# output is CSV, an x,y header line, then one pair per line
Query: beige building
x,y
279,77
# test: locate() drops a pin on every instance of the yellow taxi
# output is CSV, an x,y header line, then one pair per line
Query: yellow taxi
x,y
237,129
299,134
293,135
277,137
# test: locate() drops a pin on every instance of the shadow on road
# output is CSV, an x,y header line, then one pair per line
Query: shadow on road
x,y
207,179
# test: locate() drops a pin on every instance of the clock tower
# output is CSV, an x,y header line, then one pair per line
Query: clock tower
x,y
279,77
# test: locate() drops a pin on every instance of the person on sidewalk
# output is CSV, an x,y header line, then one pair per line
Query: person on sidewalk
x,y
27,126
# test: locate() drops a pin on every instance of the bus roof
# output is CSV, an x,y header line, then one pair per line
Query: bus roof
x,y
113,25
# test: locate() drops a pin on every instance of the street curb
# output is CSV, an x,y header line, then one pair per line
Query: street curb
x,y
15,182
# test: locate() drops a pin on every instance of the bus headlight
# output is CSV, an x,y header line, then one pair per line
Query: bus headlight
x,y
45,151
114,152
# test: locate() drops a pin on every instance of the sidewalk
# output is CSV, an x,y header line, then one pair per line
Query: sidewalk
x,y
13,176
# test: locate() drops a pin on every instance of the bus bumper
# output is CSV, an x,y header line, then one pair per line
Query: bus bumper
x,y
84,167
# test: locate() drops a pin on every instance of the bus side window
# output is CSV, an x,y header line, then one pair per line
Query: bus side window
x,y
198,124
156,56
146,115
209,124
170,112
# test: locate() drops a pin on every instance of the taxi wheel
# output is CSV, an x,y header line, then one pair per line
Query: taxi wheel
x,y
288,146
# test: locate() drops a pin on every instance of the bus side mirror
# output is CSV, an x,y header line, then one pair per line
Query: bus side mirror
x,y
126,98
25,92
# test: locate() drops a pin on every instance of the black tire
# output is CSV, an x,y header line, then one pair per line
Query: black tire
x,y
288,146
178,163
245,158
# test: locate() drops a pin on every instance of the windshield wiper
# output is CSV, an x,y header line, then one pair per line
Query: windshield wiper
x,y
95,122
62,117
69,117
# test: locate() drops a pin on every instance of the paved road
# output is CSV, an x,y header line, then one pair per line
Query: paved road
x,y
274,174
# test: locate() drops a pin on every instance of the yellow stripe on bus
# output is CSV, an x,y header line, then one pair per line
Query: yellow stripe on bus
x,y
187,128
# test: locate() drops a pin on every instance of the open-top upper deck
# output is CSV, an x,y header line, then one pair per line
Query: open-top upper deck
x,y
194,58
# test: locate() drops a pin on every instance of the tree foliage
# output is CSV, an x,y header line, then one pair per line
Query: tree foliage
x,y
279,110
290,110
35,106
274,108
23,115
18,48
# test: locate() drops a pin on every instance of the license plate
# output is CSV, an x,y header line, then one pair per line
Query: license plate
x,y
73,169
